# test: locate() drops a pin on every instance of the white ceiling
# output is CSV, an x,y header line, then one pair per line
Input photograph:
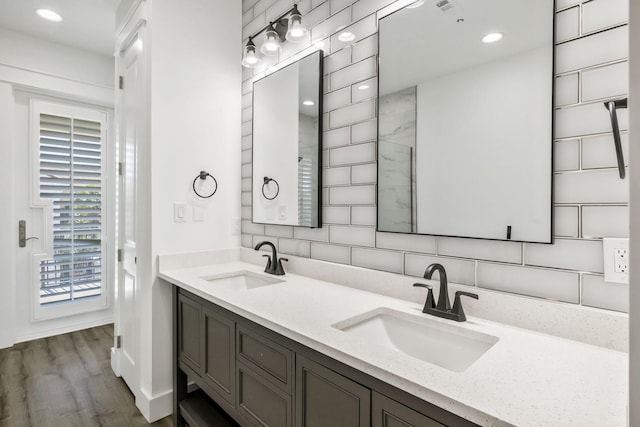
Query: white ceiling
x,y
87,24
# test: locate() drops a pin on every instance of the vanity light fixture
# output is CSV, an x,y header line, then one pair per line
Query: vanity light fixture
x,y
287,27
492,38
49,15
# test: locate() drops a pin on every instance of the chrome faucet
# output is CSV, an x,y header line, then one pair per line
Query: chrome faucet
x,y
274,265
443,307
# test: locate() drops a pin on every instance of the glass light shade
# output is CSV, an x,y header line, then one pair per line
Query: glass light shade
x,y
250,59
271,45
297,31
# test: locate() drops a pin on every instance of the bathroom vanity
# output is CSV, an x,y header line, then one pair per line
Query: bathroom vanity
x,y
291,350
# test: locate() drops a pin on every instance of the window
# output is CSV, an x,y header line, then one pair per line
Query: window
x,y
71,153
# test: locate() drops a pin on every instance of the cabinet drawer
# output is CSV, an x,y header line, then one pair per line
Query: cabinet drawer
x,y
270,359
260,401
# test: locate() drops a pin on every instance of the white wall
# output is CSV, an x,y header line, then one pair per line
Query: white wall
x,y
31,67
194,110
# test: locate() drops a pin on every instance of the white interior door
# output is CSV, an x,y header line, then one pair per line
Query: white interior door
x,y
131,122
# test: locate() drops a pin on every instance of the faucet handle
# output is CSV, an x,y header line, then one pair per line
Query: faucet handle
x,y
279,270
268,262
457,305
429,303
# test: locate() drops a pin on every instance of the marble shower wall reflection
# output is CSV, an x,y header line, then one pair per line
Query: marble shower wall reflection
x,y
397,143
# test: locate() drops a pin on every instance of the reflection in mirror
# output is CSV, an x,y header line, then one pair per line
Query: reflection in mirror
x,y
287,127
465,124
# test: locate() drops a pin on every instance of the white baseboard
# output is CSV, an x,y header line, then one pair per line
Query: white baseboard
x,y
155,407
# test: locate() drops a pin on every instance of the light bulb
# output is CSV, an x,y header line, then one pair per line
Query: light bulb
x,y
271,45
297,31
309,103
250,59
492,37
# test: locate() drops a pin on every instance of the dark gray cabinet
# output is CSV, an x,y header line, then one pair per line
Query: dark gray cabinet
x,y
263,379
325,398
386,412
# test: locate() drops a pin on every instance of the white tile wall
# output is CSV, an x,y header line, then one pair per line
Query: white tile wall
x,y
590,200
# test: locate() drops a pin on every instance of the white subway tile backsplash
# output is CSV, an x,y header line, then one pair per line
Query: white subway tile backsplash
x,y
599,14
258,239
245,212
351,114
246,184
245,156
331,25
598,293
605,221
336,61
246,240
336,215
610,81
246,128
360,30
246,100
365,131
581,255
250,227
364,174
591,187
336,137
593,50
378,260
542,283
332,253
363,8
246,170
407,242
246,142
363,215
278,230
256,24
567,89
295,247
245,199
458,271
566,155
359,153
565,221
562,4
338,5
336,176
277,8
365,48
354,195
336,99
490,250
318,13
358,236
568,24
364,90
587,119
318,234
354,73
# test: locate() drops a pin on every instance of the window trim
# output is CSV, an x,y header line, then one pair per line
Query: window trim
x,y
45,251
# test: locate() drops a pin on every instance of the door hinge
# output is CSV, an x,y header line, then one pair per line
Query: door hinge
x,y
120,255
120,168
118,341
120,82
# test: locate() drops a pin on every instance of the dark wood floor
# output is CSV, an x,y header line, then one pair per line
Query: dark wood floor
x,y
66,381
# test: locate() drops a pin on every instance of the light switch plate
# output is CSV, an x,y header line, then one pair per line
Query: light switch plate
x,y
616,260
179,212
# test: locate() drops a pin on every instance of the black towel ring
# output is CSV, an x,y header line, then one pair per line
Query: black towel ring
x,y
266,181
203,176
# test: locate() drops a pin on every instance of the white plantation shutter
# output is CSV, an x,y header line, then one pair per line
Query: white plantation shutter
x,y
70,159
305,190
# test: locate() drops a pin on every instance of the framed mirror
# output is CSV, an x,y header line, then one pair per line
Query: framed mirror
x,y
287,134
465,119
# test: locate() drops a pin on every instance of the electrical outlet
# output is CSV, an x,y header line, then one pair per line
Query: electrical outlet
x,y
616,260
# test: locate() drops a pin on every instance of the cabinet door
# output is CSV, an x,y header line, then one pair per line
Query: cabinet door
x,y
191,351
220,363
325,398
389,413
260,401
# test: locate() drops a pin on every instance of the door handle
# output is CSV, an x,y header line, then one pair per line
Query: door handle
x,y
22,234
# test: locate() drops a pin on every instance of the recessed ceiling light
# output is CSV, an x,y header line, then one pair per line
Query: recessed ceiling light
x,y
416,4
308,102
49,15
492,37
363,87
346,36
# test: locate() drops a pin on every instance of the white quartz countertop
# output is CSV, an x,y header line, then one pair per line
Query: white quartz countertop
x,y
525,379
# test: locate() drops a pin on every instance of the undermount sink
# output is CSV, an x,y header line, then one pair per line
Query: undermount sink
x,y
242,280
448,346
